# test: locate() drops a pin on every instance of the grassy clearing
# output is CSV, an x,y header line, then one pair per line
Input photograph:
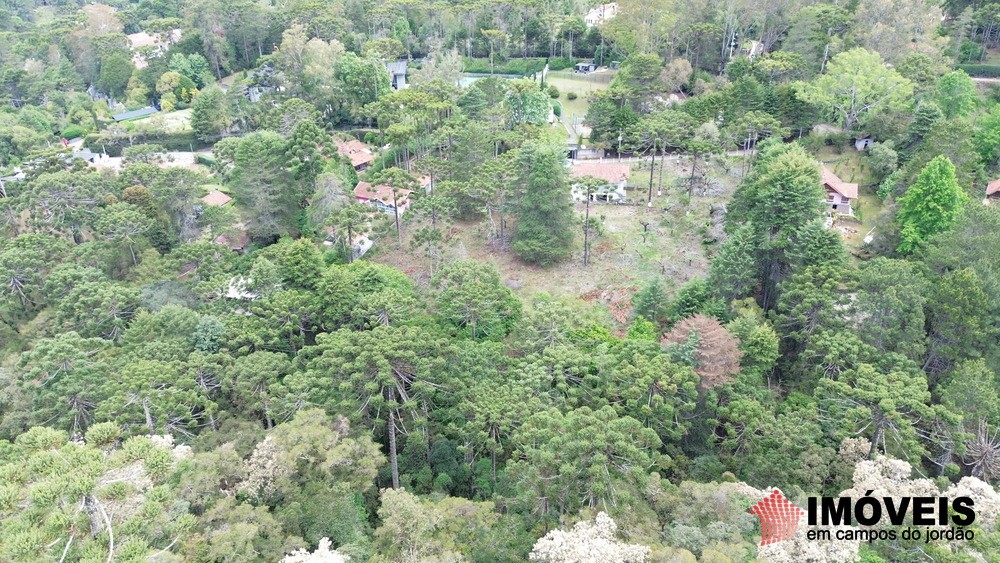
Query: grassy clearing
x,y
171,122
582,86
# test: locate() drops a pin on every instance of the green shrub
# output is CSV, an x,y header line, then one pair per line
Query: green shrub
x,y
553,91
969,52
557,108
837,139
72,131
570,95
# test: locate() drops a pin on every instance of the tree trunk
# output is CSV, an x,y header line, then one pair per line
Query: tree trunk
x,y
393,460
652,168
876,438
659,187
395,212
586,233
149,417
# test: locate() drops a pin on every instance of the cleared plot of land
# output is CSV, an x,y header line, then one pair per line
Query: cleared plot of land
x,y
634,245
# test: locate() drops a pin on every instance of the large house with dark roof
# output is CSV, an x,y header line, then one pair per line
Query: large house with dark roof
x,y
840,195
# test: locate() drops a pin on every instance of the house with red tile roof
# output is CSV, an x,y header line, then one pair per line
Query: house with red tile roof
x,y
840,195
992,191
614,173
360,154
215,198
382,197
237,240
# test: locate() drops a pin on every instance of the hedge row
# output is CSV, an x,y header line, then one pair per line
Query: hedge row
x,y
523,67
981,70
174,141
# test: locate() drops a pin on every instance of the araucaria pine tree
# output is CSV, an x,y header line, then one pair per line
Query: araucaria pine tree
x,y
544,227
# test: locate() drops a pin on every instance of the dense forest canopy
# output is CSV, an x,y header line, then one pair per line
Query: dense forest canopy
x,y
493,281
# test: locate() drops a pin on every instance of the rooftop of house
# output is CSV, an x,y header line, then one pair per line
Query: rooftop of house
x,y
993,187
215,198
613,172
356,151
143,39
143,112
603,11
396,67
238,241
831,181
381,192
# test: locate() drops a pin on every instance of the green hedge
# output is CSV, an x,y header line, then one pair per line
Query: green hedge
x,y
523,67
981,71
176,141
73,131
561,63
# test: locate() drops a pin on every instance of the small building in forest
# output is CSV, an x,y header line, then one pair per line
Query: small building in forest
x,y
134,114
862,142
601,14
397,74
360,154
237,240
585,67
840,195
215,198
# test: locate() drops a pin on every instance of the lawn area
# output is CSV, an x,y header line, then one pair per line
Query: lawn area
x,y
847,163
581,85
867,208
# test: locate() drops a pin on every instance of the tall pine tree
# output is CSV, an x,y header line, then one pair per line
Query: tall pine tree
x,y
930,206
545,224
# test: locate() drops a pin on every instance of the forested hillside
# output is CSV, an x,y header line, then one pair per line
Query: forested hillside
x,y
463,281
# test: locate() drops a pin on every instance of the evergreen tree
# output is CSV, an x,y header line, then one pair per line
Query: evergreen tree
x,y
930,206
544,229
